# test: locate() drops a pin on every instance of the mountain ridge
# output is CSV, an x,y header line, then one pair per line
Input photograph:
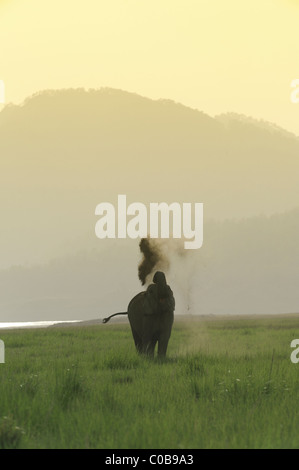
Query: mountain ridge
x,y
65,151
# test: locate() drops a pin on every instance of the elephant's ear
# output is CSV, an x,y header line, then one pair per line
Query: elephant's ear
x,y
171,299
152,290
150,300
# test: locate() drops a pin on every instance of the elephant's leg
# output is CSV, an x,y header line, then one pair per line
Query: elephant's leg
x,y
165,328
163,341
137,340
162,346
149,335
149,347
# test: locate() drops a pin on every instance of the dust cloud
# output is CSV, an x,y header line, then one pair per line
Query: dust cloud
x,y
178,264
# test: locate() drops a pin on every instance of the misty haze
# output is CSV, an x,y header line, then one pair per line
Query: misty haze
x,y
63,152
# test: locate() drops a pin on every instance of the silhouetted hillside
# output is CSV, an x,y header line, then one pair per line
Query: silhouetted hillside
x,y
63,152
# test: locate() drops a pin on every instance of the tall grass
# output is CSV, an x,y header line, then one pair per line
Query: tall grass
x,y
226,383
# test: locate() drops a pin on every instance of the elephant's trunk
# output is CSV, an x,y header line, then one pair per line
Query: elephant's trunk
x,y
162,289
105,320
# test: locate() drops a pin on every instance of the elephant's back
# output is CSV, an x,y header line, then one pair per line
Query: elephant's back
x,y
136,299
135,312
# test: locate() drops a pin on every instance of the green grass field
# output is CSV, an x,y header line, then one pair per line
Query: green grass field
x,y
226,383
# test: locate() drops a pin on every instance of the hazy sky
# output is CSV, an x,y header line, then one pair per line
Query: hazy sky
x,y
213,55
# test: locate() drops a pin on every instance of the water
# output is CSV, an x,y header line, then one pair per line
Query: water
x,y
33,324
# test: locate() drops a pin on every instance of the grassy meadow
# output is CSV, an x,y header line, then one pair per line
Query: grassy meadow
x,y
227,383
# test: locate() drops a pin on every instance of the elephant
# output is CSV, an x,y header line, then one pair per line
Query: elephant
x,y
151,316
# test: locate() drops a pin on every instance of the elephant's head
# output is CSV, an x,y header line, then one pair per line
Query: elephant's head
x,y
164,293
159,278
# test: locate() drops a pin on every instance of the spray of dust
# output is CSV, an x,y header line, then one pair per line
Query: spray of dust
x,y
180,267
153,259
178,264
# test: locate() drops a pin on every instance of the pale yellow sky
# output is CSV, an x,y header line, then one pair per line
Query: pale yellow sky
x,y
213,55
